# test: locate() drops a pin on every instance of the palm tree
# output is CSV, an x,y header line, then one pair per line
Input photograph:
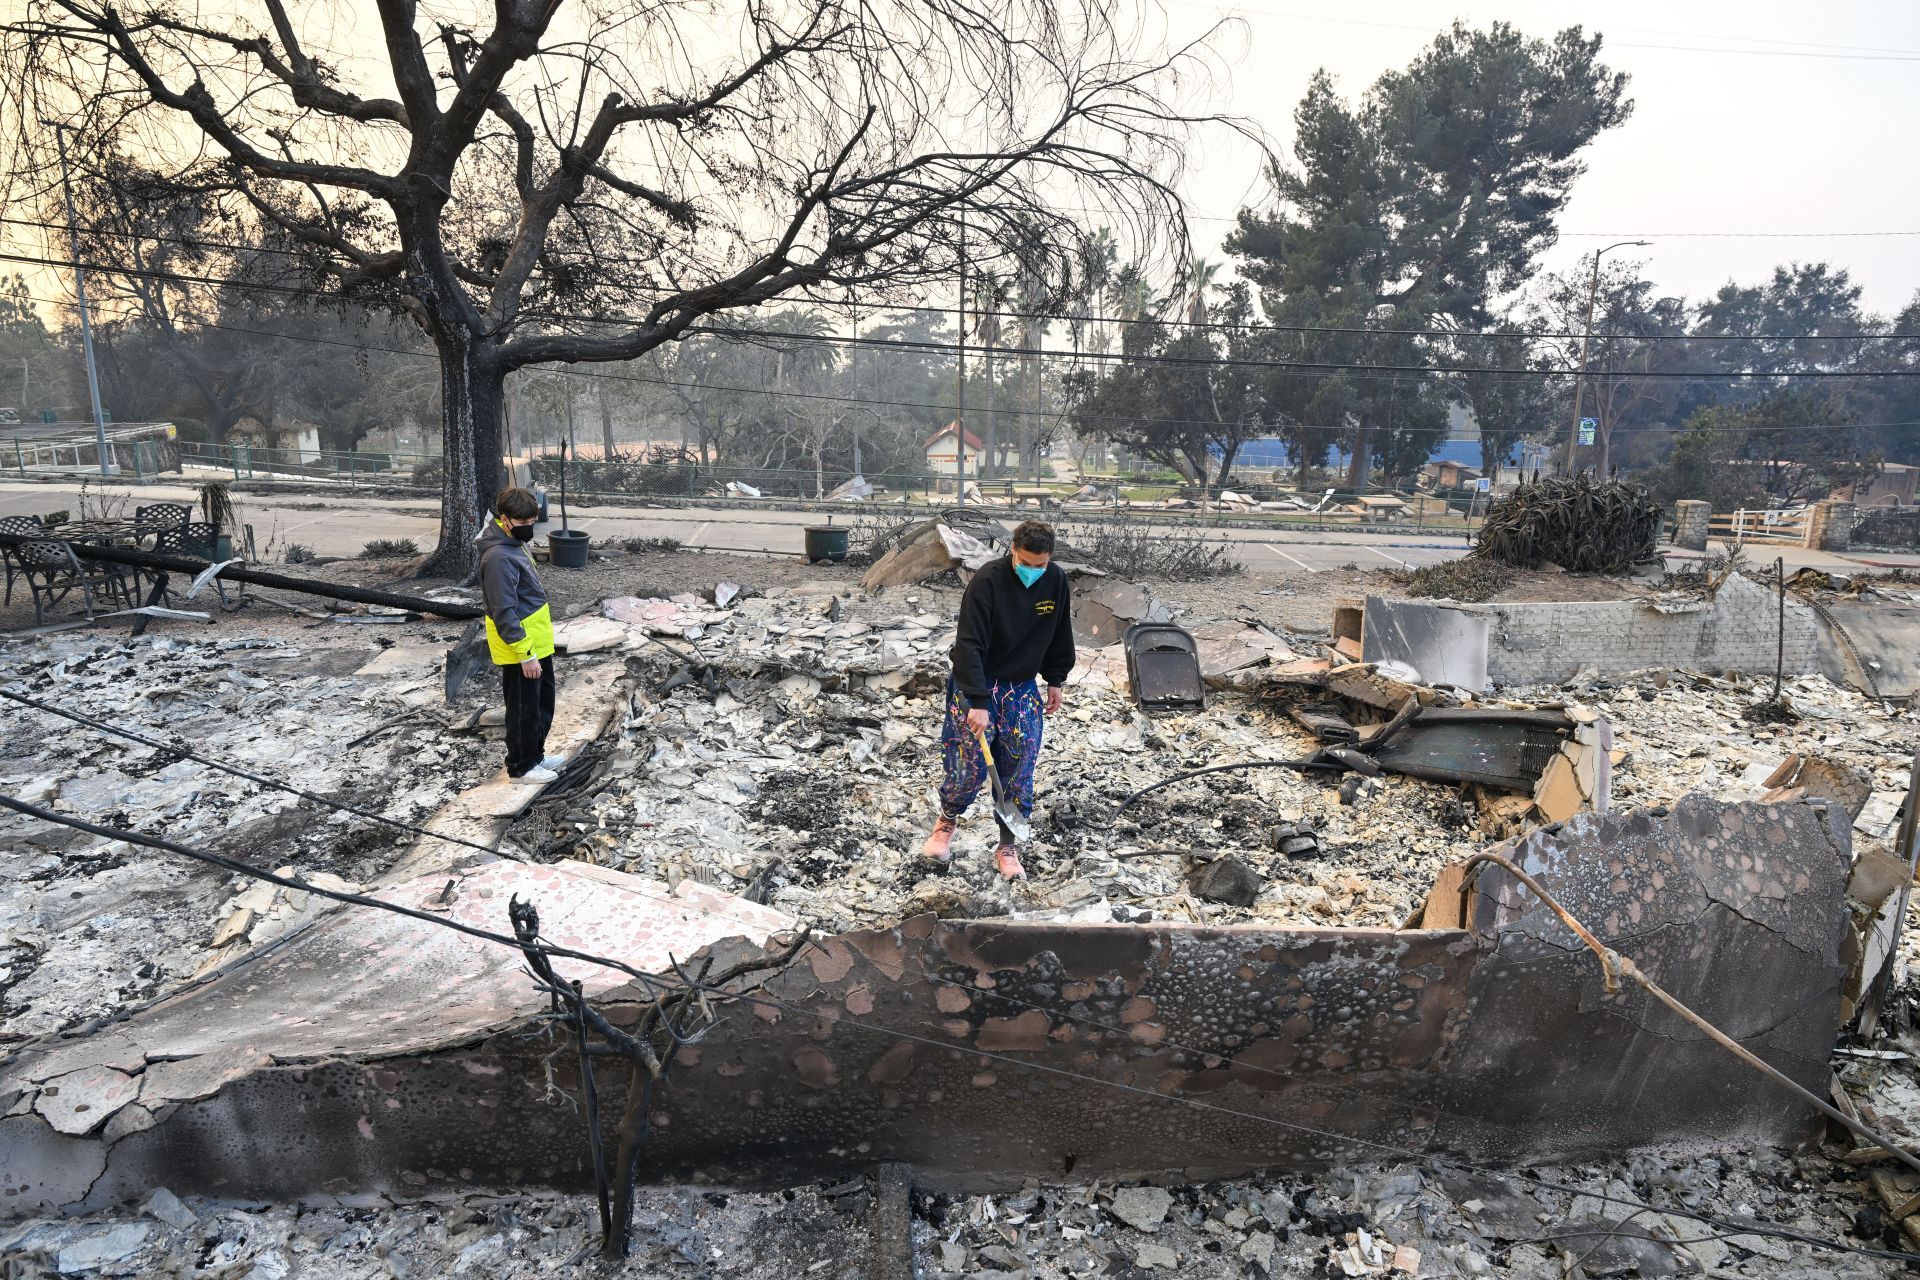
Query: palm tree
x,y
1034,300
1195,281
1089,287
1130,296
989,300
810,423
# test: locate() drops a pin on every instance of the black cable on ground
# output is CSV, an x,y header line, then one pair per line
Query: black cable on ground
x,y
188,754
651,982
290,882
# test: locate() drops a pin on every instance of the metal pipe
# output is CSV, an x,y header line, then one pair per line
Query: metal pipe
x,y
1586,344
80,292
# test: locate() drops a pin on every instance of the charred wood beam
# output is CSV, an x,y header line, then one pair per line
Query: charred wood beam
x,y
265,578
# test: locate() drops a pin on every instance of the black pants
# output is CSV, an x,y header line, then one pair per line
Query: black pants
x,y
529,715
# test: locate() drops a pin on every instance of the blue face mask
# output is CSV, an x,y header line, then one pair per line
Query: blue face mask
x,y
1028,573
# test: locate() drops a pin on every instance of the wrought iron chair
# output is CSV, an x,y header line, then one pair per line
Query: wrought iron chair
x,y
53,571
19,527
163,514
192,538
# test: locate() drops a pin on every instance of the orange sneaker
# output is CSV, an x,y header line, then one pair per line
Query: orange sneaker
x,y
939,845
1006,860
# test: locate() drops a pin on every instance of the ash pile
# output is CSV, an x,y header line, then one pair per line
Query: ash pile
x,y
95,925
782,745
785,746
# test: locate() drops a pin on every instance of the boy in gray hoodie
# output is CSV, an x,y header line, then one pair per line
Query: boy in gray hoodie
x,y
519,634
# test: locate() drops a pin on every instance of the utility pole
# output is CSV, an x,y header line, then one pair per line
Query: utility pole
x,y
80,292
1586,343
960,363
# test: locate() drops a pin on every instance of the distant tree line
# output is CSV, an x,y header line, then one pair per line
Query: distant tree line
x,y
504,286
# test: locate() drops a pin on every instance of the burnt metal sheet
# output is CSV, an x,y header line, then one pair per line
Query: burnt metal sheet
x,y
1441,645
1509,752
984,1053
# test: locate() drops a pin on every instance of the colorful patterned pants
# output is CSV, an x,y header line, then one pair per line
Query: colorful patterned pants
x,y
1016,714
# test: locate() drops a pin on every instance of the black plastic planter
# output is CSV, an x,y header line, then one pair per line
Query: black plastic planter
x,y
568,547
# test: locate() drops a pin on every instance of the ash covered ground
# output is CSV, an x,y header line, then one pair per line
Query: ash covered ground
x,y
786,746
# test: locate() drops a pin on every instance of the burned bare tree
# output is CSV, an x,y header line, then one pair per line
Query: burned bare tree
x,y
585,182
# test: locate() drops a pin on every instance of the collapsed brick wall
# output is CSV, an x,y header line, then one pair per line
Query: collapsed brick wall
x,y
1737,630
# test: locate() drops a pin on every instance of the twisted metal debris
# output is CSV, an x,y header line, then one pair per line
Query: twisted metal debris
x,y
1580,525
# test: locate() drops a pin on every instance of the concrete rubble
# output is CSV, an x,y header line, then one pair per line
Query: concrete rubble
x,y
779,746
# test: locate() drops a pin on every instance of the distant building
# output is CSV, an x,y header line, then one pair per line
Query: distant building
x,y
942,450
299,442
1438,476
1896,486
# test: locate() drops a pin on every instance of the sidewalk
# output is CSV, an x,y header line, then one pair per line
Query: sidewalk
x,y
1764,553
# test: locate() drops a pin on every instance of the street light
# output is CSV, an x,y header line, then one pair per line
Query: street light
x,y
80,291
1586,344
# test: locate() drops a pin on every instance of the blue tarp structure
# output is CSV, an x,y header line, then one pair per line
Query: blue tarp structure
x,y
1274,453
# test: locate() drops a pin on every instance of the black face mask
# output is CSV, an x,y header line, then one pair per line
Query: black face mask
x,y
524,532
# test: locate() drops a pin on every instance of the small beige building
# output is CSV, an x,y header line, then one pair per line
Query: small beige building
x,y
944,458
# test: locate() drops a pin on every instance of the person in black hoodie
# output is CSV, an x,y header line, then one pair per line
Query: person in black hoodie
x,y
1016,621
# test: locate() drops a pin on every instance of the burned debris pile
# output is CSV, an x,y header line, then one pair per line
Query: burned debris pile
x,y
96,924
1284,940
1579,524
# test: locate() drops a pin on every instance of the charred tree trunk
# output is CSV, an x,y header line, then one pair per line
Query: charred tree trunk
x,y
472,398
1360,469
1228,452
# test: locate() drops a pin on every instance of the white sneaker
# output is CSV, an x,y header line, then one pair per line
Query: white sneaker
x,y
540,774
555,763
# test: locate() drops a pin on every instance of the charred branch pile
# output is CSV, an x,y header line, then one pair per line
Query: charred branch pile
x,y
1580,525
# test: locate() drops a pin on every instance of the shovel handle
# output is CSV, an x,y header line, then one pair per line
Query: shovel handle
x,y
981,736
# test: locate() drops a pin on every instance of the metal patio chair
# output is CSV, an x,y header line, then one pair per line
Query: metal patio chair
x,y
163,514
19,527
194,538
53,572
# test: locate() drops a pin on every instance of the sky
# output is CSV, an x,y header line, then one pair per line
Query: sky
x,y
1761,116
1761,131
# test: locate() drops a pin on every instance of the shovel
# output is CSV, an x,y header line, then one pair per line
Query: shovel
x,y
1014,828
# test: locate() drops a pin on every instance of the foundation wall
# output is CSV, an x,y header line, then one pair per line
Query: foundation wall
x,y
986,1053
1531,644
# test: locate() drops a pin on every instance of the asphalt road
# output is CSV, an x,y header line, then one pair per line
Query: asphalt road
x,y
340,526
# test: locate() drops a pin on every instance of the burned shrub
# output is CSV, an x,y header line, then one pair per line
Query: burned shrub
x,y
1132,549
1467,580
1578,524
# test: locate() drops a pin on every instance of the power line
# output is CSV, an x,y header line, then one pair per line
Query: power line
x,y
1328,366
1738,235
1272,429
1305,367
1862,53
1052,317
